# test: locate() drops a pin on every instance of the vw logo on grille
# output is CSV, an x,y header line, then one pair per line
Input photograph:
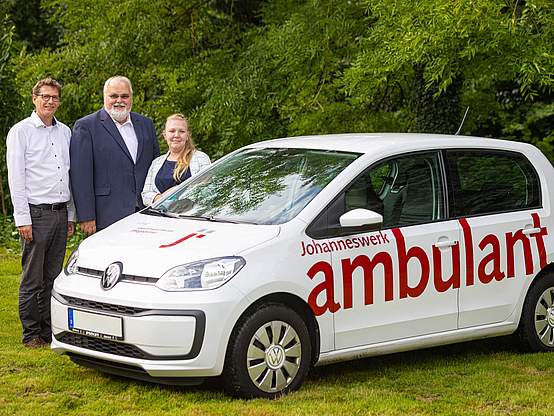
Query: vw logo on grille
x,y
111,275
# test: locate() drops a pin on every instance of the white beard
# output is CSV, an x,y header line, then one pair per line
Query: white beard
x,y
119,115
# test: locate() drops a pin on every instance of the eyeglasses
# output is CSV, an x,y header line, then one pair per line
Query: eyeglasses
x,y
122,96
47,97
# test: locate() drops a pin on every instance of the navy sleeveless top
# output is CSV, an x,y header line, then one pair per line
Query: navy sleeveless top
x,y
164,178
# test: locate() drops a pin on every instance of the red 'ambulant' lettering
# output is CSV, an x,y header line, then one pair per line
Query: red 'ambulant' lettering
x,y
326,286
488,270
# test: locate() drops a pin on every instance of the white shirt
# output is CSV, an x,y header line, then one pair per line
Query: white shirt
x,y
127,131
38,166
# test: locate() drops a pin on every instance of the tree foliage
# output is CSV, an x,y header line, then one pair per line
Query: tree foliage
x,y
9,98
253,69
248,70
32,24
10,113
479,44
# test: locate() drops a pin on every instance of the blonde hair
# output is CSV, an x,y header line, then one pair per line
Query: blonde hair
x,y
184,157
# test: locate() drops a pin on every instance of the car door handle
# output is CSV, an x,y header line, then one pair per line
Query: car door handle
x,y
445,243
530,231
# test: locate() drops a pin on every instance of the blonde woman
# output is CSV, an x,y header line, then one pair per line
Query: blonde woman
x,y
181,161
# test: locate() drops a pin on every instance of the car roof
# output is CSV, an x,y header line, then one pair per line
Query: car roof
x,y
383,142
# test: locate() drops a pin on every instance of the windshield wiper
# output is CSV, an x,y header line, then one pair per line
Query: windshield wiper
x,y
159,212
210,218
165,213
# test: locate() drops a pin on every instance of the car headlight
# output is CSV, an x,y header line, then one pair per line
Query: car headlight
x,y
201,275
71,265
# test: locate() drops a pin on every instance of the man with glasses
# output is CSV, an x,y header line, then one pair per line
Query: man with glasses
x,y
111,151
38,177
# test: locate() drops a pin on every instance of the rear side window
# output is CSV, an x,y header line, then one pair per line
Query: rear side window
x,y
491,182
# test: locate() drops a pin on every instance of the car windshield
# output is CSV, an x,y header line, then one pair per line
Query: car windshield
x,y
259,186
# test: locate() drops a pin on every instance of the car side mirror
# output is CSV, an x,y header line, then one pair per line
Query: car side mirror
x,y
361,217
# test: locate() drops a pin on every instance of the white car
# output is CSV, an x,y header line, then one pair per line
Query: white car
x,y
312,250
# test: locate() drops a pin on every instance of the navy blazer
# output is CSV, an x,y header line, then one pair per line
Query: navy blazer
x,y
105,183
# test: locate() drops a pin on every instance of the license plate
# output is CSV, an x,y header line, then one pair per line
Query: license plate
x,y
95,324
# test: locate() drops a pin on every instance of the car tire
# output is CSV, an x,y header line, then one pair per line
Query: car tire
x,y
269,353
536,327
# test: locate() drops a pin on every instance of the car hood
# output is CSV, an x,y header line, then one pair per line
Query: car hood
x,y
149,245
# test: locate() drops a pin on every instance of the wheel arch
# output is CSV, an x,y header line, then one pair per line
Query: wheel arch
x,y
295,303
523,333
548,269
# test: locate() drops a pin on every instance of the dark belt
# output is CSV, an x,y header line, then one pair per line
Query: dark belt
x,y
60,206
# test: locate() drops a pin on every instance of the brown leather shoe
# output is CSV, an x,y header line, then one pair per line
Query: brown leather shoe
x,y
36,342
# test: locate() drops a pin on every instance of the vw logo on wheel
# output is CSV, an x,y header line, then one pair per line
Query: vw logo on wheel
x,y
111,275
275,356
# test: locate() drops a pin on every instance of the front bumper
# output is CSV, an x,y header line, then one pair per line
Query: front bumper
x,y
151,334
165,336
130,371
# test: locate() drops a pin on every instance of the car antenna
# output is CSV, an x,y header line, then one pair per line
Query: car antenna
x,y
462,123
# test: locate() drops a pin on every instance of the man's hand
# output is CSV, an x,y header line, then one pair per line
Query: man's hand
x,y
70,228
88,227
26,232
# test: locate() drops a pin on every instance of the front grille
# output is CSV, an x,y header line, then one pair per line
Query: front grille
x,y
101,306
89,272
133,278
102,345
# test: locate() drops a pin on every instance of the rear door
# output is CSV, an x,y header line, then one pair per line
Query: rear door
x,y
496,196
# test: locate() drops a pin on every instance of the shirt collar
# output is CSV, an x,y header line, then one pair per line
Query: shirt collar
x,y
128,122
37,122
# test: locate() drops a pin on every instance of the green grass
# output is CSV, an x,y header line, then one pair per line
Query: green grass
x,y
479,378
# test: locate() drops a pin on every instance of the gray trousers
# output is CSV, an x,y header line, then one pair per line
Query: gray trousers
x,y
41,262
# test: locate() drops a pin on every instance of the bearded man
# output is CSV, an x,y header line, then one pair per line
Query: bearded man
x,y
110,153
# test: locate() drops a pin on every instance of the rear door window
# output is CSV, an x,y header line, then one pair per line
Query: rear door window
x,y
485,182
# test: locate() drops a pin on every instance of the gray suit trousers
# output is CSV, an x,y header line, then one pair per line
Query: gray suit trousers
x,y
41,262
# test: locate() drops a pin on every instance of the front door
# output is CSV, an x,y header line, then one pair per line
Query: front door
x,y
403,280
